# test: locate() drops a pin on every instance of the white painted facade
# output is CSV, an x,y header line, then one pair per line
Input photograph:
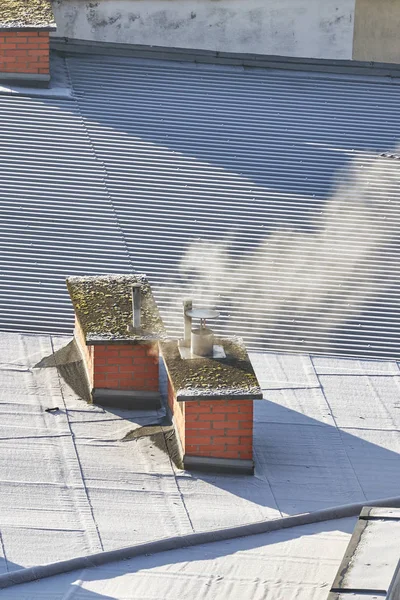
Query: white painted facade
x,y
296,28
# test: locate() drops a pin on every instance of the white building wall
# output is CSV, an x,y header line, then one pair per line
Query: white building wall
x,y
298,28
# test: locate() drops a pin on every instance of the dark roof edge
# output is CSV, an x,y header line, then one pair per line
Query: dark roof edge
x,y
47,27
37,80
348,67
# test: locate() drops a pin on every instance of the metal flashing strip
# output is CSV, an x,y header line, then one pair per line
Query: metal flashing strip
x,y
126,399
394,589
166,53
218,465
31,79
361,592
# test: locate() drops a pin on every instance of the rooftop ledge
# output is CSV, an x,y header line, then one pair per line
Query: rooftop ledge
x,y
230,378
26,14
103,306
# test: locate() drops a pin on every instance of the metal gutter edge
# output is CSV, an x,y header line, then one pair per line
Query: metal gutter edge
x,y
347,67
184,541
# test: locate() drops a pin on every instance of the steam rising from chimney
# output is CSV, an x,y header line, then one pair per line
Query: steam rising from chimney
x,y
313,282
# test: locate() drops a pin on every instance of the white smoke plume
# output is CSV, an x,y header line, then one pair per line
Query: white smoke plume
x,y
316,285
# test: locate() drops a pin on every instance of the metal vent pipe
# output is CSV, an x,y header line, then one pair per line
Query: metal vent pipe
x,y
136,305
187,305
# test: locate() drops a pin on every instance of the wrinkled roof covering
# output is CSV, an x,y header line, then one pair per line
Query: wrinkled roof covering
x,y
294,564
325,435
26,13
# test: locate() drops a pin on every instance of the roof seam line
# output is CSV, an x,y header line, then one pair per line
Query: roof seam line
x,y
337,428
76,451
177,484
105,173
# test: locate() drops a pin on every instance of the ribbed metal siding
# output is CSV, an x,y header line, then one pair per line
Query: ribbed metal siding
x,y
55,214
252,159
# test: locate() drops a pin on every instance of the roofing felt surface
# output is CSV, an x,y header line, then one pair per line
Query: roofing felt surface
x,y
295,564
272,195
326,434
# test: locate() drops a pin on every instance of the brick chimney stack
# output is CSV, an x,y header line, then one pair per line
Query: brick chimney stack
x,y
117,328
211,404
24,41
119,332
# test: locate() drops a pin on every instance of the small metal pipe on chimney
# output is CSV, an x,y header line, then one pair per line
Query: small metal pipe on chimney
x,y
187,305
136,305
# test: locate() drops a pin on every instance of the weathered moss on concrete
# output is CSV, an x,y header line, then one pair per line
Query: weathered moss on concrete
x,y
26,13
103,305
232,377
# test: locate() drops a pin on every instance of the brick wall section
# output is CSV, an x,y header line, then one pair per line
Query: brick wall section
x,y
24,52
119,366
126,367
178,410
219,429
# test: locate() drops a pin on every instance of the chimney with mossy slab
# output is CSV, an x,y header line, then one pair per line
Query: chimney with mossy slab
x,y
24,41
117,328
211,388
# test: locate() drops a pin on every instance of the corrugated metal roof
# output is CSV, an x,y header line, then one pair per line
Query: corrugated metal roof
x,y
56,218
247,161
263,192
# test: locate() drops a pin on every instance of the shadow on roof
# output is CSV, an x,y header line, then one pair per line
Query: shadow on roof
x,y
303,464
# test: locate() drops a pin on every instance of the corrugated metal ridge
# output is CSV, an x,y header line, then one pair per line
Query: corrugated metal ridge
x,y
145,54
278,175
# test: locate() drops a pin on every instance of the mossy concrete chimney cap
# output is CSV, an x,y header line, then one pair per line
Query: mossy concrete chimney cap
x,y
22,14
230,378
103,306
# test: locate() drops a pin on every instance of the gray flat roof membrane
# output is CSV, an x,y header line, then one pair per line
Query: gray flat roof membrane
x,y
271,196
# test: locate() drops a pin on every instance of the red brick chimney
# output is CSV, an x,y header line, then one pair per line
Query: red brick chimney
x,y
24,41
117,328
210,396
211,403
